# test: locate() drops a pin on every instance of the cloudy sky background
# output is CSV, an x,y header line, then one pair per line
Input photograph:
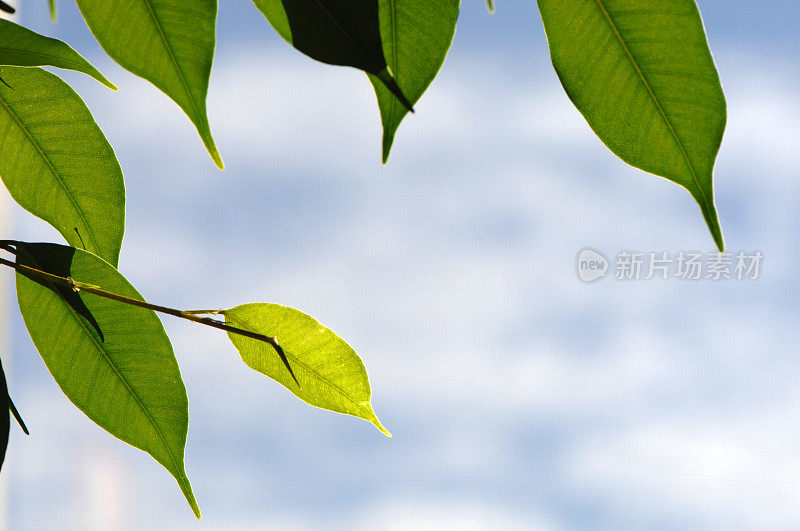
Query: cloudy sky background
x,y
518,396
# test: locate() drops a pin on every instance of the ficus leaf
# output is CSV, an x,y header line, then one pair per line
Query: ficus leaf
x,y
330,373
337,32
20,46
642,75
56,162
416,35
129,382
168,42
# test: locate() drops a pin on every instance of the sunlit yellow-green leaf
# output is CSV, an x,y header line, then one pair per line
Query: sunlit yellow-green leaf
x,y
330,373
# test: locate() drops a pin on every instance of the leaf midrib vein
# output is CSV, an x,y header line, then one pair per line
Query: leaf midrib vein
x,y
135,396
653,96
40,54
172,58
243,324
53,170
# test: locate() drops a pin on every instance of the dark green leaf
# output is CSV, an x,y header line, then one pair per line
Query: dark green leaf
x,y
129,384
416,35
337,32
168,42
330,373
642,75
22,47
57,163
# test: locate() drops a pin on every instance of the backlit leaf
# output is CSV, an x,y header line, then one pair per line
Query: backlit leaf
x,y
20,46
128,382
168,42
330,373
416,35
641,74
56,162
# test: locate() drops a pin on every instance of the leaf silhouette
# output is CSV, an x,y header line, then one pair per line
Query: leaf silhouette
x,y
5,416
56,260
642,75
5,8
336,32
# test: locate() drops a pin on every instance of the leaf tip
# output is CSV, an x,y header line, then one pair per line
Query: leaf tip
x,y
217,159
712,220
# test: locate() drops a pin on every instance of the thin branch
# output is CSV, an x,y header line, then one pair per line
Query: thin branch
x,y
188,315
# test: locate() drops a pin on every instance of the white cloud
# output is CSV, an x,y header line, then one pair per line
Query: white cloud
x,y
451,272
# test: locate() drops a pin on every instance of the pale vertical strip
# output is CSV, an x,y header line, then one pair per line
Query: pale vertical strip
x,y
5,307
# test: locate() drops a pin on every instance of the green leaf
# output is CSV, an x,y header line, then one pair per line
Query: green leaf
x,y
53,10
416,36
642,75
56,162
20,46
330,373
336,32
168,42
128,382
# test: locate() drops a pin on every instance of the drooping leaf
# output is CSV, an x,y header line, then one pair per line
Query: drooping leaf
x,y
129,383
53,10
330,373
5,416
56,162
642,75
336,32
20,46
416,35
168,42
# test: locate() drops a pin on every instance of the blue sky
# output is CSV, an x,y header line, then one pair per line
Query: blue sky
x,y
518,396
